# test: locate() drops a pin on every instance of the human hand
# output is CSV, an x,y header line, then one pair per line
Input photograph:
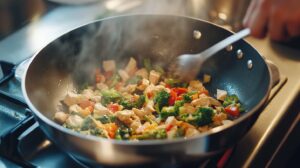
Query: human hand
x,y
278,18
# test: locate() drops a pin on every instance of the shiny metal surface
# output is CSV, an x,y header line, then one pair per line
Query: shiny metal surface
x,y
62,64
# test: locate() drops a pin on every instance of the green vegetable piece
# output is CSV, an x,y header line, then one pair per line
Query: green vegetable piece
x,y
156,134
114,80
161,99
106,119
98,132
88,123
159,69
129,105
134,80
206,115
186,98
140,102
230,100
179,132
202,116
175,83
167,111
123,133
177,105
147,64
147,118
110,95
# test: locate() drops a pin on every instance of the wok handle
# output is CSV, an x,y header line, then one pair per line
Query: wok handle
x,y
275,74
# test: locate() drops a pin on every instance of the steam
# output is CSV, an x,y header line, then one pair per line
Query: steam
x,y
73,58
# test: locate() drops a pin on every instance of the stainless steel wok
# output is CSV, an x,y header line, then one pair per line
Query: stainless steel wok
x,y
69,61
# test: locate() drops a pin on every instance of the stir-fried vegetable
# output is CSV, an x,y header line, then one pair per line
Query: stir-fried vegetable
x,y
161,99
110,96
143,104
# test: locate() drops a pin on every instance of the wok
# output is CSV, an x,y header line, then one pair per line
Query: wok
x,y
69,61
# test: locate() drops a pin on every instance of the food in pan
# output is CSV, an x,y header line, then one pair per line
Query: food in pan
x,y
144,103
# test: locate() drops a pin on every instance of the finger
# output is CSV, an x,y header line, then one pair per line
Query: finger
x,y
258,21
276,26
293,30
249,12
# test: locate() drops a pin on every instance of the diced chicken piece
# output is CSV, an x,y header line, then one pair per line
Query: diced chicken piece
x,y
195,85
102,86
218,118
86,111
187,108
144,84
206,78
100,78
203,128
154,77
73,98
74,121
142,72
201,101
149,108
131,66
124,75
109,65
140,112
60,117
172,132
162,83
190,132
171,120
129,88
221,94
125,116
88,93
135,124
142,128
227,122
75,109
96,98
100,110
214,102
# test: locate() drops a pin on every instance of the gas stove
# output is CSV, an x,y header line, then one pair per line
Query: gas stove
x,y
270,142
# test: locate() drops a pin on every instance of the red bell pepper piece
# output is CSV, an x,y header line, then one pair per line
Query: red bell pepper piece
x,y
232,110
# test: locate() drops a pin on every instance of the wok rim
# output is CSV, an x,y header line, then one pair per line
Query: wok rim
x,y
215,130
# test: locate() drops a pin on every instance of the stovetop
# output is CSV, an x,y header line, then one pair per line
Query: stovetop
x,y
262,146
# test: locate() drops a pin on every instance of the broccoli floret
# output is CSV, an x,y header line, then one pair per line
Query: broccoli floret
x,y
161,99
123,133
110,95
114,80
175,83
230,99
106,119
140,102
88,123
186,98
206,115
134,80
202,116
98,132
156,134
167,111
129,105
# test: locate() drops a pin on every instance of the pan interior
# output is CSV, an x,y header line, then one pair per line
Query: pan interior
x,y
70,61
